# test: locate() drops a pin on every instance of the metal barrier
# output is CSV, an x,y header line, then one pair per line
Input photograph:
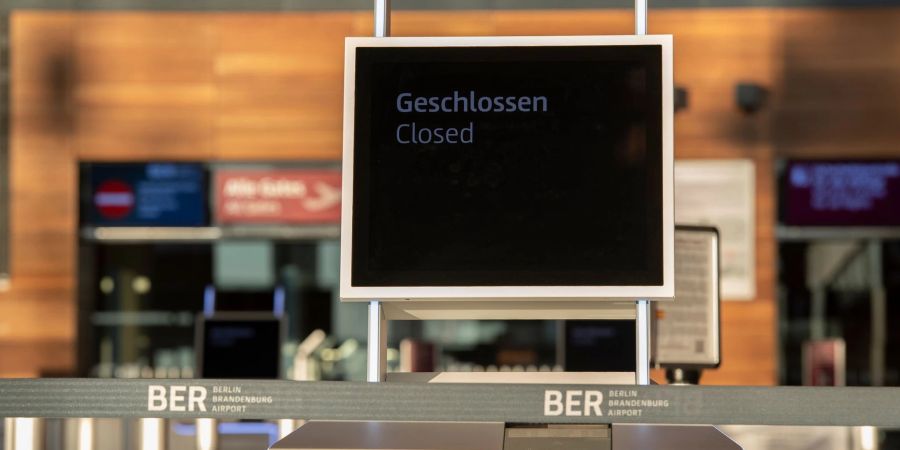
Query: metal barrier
x,y
521,403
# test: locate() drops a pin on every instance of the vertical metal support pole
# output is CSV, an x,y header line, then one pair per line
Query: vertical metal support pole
x,y
23,433
207,435
382,18
879,314
151,434
86,434
376,365
642,317
8,432
287,426
642,336
640,17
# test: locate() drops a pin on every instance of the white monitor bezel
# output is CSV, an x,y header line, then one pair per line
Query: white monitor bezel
x,y
666,291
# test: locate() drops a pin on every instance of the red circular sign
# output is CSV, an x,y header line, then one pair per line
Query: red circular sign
x,y
114,199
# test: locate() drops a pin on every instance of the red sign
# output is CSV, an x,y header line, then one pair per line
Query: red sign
x,y
824,362
114,199
292,196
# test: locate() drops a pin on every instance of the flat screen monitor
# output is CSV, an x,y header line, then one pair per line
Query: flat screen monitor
x,y
144,194
686,331
240,345
598,346
517,167
841,193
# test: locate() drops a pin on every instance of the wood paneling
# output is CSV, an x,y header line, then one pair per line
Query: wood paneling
x,y
248,86
840,85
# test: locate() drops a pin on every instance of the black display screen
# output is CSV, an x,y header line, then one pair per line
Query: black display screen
x,y
508,166
240,348
600,346
842,193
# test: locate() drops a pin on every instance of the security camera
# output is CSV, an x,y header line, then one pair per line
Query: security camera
x,y
750,97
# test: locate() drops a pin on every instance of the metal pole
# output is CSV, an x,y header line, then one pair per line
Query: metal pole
x,y
878,314
151,434
86,433
376,364
23,433
642,321
640,17
382,18
207,434
642,337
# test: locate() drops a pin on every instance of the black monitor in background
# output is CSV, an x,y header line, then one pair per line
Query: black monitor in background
x,y
598,346
239,345
839,193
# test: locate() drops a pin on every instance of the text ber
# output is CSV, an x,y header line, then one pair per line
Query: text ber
x,y
176,398
573,403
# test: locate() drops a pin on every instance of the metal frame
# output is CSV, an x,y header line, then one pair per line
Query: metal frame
x,y
376,365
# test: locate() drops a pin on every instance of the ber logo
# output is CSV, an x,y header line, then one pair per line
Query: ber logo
x,y
573,403
114,199
176,398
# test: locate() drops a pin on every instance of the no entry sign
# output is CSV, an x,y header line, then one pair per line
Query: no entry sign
x,y
114,199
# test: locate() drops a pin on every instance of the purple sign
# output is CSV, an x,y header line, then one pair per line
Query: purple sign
x,y
843,193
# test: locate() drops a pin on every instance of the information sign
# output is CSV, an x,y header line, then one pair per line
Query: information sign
x,y
147,194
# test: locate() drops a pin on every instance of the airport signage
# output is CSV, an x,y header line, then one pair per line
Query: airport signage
x,y
842,193
147,194
511,403
278,196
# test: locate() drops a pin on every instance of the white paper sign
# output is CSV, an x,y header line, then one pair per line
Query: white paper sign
x,y
722,193
687,330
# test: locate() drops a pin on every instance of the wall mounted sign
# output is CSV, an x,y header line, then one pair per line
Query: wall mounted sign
x,y
508,167
842,193
722,194
278,196
149,194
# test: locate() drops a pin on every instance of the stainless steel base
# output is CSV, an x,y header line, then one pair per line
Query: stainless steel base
x,y
376,435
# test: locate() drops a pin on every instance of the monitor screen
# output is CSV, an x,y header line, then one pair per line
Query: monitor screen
x,y
144,194
508,166
599,346
841,193
241,348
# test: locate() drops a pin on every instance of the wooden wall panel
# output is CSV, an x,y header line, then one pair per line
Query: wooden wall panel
x,y
37,321
144,86
840,84
266,86
280,84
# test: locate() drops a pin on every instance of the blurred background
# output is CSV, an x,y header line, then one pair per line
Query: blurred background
x,y
148,151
